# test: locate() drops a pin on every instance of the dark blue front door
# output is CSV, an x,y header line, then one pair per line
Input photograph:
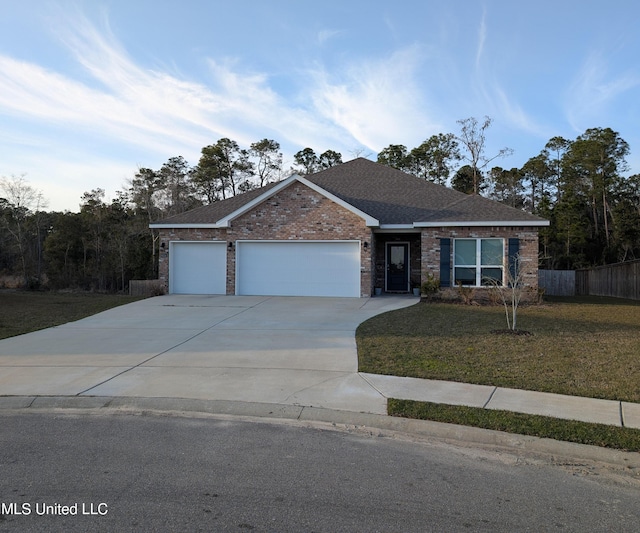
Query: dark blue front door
x,y
397,266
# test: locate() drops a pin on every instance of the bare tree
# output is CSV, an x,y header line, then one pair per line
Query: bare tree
x,y
22,202
472,137
511,290
360,152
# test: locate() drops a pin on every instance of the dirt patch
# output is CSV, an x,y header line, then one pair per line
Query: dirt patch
x,y
514,332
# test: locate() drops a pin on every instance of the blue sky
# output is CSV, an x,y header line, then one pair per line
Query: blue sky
x,y
92,90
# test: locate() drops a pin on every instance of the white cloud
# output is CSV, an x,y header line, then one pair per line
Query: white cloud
x,y
514,115
123,103
327,35
92,120
594,89
151,108
376,102
482,37
152,113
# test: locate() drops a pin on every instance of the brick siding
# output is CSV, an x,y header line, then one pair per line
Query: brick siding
x,y
528,247
294,213
183,234
299,213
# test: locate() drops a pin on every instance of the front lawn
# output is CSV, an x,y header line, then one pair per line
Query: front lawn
x,y
25,311
581,347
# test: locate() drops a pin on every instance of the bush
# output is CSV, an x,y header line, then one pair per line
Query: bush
x,y
431,285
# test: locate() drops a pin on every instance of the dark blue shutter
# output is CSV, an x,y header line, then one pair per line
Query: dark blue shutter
x,y
514,249
445,262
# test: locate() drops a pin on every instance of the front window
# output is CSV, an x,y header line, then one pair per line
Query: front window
x,y
478,261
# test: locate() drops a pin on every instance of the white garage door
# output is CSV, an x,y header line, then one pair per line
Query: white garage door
x,y
197,267
298,268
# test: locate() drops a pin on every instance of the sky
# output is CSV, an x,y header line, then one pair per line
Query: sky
x,y
91,91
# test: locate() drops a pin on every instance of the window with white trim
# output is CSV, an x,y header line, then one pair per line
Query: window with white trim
x,y
478,261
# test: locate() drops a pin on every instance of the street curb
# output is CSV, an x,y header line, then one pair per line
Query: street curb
x,y
423,428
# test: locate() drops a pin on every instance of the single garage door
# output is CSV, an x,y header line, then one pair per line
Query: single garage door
x,y
197,267
298,268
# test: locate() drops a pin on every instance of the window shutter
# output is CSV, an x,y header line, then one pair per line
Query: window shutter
x,y
445,262
514,249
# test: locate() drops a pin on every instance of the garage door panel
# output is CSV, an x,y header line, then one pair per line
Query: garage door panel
x,y
198,268
310,268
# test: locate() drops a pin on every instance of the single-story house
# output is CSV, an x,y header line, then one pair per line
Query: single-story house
x,y
345,231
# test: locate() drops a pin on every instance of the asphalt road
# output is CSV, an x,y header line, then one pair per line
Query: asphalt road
x,y
146,472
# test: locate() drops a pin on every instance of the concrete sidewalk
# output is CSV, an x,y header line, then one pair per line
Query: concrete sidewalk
x,y
593,410
259,350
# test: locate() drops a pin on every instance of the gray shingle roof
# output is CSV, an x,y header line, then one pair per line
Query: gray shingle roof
x,y
211,213
394,197
387,194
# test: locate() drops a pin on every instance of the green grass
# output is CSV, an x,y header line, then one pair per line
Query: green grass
x,y
582,347
25,311
588,347
540,426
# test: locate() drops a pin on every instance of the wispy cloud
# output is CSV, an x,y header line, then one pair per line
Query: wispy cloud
x,y
594,89
489,83
150,114
117,111
376,102
482,37
327,35
163,113
512,114
147,109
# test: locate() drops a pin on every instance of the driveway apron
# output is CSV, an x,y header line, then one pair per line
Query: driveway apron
x,y
285,350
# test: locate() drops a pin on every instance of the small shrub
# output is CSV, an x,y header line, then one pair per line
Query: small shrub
x,y
467,294
431,285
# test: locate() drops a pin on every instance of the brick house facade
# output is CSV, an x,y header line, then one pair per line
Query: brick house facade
x,y
376,212
295,213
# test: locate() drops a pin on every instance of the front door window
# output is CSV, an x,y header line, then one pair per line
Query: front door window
x,y
397,267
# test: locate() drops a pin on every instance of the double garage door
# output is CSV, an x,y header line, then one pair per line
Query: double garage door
x,y
279,268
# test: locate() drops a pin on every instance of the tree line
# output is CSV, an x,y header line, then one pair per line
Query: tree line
x,y
579,185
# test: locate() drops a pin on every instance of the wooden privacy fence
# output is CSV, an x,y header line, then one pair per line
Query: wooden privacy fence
x,y
557,282
620,280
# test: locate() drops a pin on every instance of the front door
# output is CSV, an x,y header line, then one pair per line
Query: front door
x,y
397,266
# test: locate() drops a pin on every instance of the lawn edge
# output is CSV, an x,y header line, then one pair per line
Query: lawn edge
x,y
592,434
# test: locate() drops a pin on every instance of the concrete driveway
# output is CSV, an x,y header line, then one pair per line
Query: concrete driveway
x,y
283,350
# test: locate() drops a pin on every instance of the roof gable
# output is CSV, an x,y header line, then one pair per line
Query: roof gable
x,y
208,215
228,210
225,221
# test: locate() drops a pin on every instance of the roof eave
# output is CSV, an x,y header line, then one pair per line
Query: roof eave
x,y
481,223
390,228
186,225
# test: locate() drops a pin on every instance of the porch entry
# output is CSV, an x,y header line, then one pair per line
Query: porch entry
x,y
397,279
